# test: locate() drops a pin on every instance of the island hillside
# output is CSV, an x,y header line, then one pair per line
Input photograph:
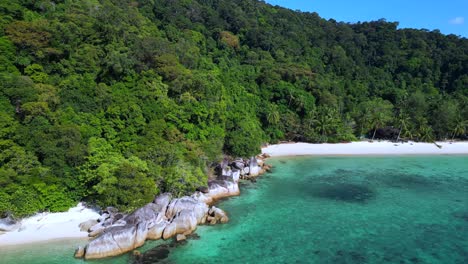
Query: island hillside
x,y
112,102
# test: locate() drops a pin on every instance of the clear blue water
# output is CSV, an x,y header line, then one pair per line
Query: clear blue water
x,y
407,209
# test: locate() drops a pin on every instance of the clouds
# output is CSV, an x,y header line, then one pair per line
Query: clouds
x,y
457,21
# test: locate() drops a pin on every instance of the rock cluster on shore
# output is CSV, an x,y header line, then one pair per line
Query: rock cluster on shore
x,y
115,233
9,224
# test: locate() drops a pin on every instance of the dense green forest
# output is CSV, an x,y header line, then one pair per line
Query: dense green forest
x,y
113,101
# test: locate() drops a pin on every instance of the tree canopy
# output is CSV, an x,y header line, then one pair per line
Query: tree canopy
x,y
114,101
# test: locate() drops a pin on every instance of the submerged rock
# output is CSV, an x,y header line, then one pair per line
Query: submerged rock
x,y
153,255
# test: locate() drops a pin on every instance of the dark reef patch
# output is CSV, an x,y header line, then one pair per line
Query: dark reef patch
x,y
345,256
461,215
404,180
408,180
346,192
154,255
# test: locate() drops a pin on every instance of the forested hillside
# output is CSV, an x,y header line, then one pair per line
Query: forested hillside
x,y
113,101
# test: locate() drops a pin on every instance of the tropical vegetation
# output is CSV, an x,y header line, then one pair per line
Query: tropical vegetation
x,y
113,101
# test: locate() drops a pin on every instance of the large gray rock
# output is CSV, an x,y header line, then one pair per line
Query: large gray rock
x,y
163,200
226,172
116,241
180,237
201,197
185,223
222,167
151,213
222,188
155,232
230,175
176,206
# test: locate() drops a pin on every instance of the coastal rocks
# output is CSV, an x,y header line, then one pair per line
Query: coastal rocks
x,y
8,224
239,168
163,218
217,215
166,217
238,164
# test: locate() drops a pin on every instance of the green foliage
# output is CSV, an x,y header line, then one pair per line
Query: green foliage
x,y
112,102
110,178
5,204
25,202
53,198
36,72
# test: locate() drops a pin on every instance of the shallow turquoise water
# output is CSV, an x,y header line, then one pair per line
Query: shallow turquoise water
x,y
407,209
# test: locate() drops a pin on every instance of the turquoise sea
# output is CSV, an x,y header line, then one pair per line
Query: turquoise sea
x,y
386,209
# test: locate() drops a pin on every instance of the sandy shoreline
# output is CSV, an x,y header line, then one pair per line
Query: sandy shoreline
x,y
50,226
366,148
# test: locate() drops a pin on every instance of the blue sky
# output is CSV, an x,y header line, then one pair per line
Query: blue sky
x,y
449,16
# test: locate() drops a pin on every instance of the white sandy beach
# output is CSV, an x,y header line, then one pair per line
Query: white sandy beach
x,y
366,148
48,226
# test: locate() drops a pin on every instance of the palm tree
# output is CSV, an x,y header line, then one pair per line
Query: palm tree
x,y
404,120
460,128
273,115
426,133
326,121
291,97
